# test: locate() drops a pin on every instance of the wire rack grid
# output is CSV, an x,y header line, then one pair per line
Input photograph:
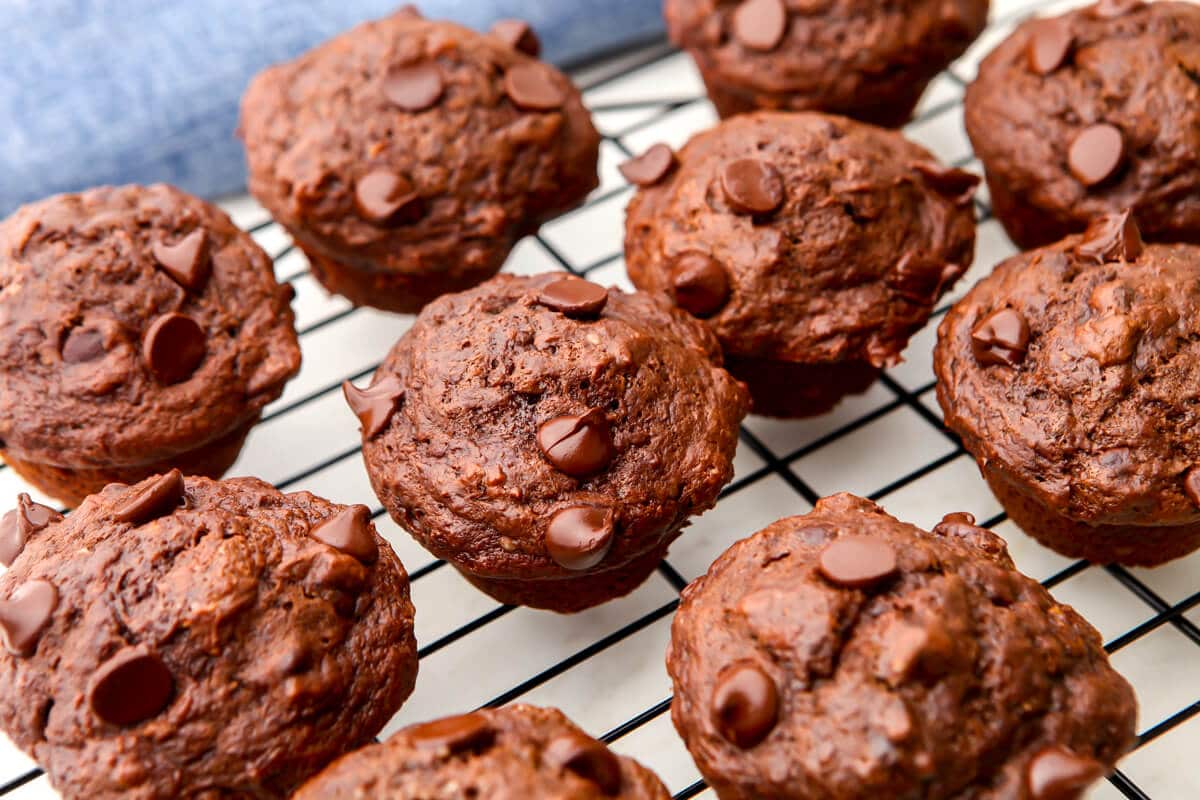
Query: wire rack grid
x,y
604,667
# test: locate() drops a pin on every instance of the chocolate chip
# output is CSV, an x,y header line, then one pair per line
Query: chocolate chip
x,y
1055,773
575,297
375,405
587,758
349,530
921,280
957,184
1112,237
1001,338
577,445
454,734
1049,45
745,704
579,537
1096,153
415,87
1110,9
752,186
186,261
650,167
132,686
858,562
533,88
83,345
19,524
173,347
700,283
760,24
25,614
382,197
1191,486
157,497
518,35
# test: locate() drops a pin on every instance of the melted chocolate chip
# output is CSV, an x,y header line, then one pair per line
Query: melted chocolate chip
x,y
414,88
1001,338
760,24
383,198
745,704
156,498
132,686
574,297
858,562
518,35
921,280
580,446
1055,773
1191,486
186,261
454,734
1096,154
700,283
1049,45
25,614
83,345
650,167
349,530
375,405
173,347
579,537
959,185
532,87
19,524
1112,237
587,758
752,186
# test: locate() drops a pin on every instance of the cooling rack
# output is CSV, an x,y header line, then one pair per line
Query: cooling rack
x,y
604,667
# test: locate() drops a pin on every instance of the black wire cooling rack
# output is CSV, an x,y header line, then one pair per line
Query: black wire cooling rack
x,y
605,667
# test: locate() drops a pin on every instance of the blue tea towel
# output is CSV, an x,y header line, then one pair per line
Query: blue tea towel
x,y
124,91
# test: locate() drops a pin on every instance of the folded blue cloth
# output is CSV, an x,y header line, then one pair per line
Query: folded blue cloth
x,y
120,91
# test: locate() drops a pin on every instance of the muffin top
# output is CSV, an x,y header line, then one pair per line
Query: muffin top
x,y
411,146
1073,370
534,427
248,639
135,323
516,752
804,237
1096,111
845,654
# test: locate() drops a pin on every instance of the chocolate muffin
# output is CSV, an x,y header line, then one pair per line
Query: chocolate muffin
x,y
1070,373
139,331
814,246
513,753
407,157
548,437
1089,113
845,654
246,640
861,58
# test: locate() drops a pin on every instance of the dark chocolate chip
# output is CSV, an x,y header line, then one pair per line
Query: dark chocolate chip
x,y
1055,773
1112,237
579,537
19,524
760,24
454,734
132,686
532,87
186,261
587,758
1049,45
650,167
745,704
1110,9
577,445
700,283
921,280
382,198
858,562
1096,154
957,184
1191,486
157,497
518,35
173,347
574,297
349,530
1001,338
25,614
375,405
415,87
752,186
83,345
